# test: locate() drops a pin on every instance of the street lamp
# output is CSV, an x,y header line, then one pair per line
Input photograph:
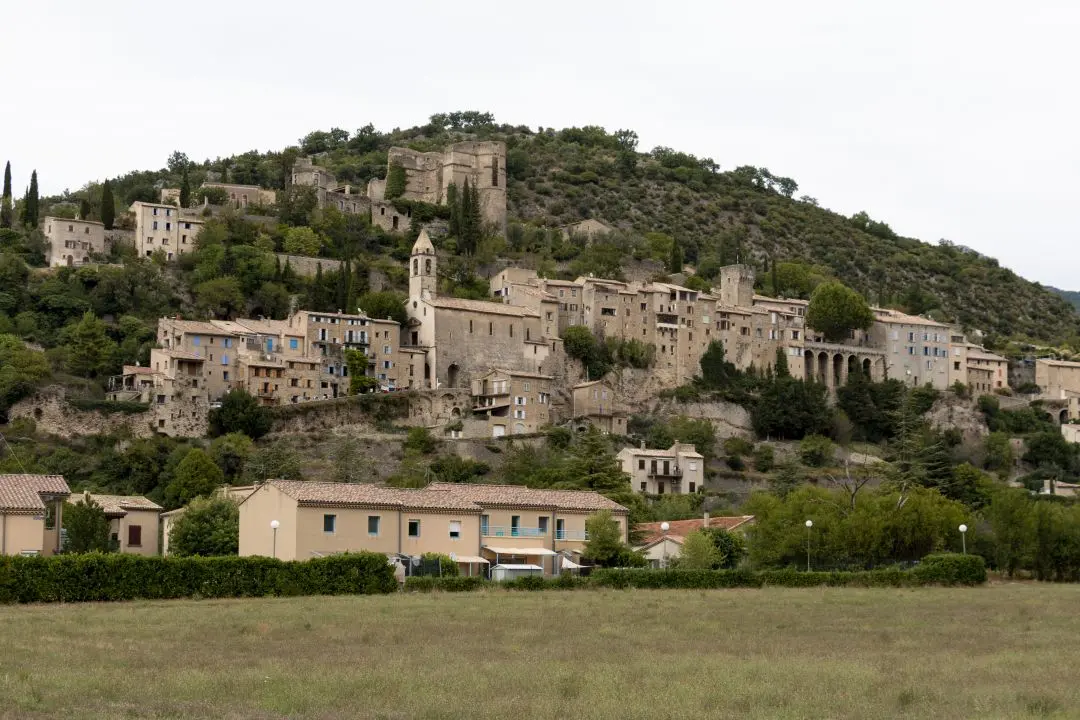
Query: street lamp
x,y
809,524
274,525
664,527
963,537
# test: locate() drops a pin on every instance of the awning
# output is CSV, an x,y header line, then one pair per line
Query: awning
x,y
470,559
534,552
519,567
568,564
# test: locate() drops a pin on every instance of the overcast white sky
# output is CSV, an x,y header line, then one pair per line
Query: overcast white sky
x,y
952,119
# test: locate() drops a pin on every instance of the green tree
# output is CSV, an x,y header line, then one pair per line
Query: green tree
x,y
396,181
6,206
1012,521
274,461
790,409
240,412
108,205
780,366
730,547
196,475
675,262
185,189
349,461
86,527
302,241
605,545
209,527
230,452
31,208
836,310
220,297
816,451
452,202
593,465
999,454
698,552
384,305
90,351
21,370
359,380
716,371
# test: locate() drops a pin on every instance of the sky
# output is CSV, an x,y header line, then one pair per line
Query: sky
x,y
953,120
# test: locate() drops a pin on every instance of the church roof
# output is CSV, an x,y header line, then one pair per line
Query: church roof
x,y
423,245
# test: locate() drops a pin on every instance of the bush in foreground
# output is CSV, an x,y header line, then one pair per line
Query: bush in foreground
x,y
98,577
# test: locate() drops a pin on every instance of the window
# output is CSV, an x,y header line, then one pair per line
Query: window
x,y
155,211
495,172
519,414
196,340
560,528
519,400
491,328
641,464
294,343
484,524
50,516
455,529
515,525
224,359
693,486
470,326
542,525
386,349
225,376
643,486
168,226
329,523
134,536
155,225
414,528
526,387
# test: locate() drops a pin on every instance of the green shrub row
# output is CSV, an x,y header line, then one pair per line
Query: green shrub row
x,y
97,577
943,569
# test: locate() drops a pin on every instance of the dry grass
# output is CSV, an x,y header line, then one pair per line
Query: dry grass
x,y
1004,651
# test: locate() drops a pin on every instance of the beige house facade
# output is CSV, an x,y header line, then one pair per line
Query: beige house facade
x,y
328,335
679,470
916,349
73,242
596,403
31,514
1057,379
512,402
477,524
133,521
166,228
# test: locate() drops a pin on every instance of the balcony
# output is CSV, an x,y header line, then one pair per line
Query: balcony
x,y
488,403
571,535
504,531
661,472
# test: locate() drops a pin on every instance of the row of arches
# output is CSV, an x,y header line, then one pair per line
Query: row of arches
x,y
832,369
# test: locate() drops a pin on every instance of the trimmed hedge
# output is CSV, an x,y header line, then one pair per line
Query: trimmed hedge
x,y
465,584
430,583
98,577
951,569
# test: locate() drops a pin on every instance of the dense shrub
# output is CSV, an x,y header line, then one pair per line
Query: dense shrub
x,y
951,569
445,584
97,577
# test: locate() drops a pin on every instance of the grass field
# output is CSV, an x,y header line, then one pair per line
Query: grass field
x,y
999,651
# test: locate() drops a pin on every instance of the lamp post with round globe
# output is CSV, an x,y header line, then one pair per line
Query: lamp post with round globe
x,y
664,527
963,538
274,525
809,524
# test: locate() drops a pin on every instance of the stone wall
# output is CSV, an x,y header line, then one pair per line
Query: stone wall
x,y
308,266
54,416
417,408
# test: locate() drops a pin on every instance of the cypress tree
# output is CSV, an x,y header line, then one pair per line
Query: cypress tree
x,y
775,279
185,190
108,205
455,210
676,262
32,201
465,220
475,222
6,210
84,209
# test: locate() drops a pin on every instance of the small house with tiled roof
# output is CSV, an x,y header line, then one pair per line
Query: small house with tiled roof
x,y
133,521
661,546
679,470
31,513
477,524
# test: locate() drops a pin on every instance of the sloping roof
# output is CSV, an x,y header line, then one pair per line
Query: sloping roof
x,y
670,453
120,504
1058,363
517,496
137,370
483,306
195,326
516,373
895,316
681,528
423,244
978,353
183,355
22,493
331,494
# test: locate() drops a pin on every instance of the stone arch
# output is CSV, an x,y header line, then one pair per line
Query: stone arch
x,y
519,428
837,370
1063,416
853,366
823,368
866,368
808,365
455,412
452,373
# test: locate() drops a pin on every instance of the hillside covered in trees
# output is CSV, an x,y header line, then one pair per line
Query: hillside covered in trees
x,y
658,201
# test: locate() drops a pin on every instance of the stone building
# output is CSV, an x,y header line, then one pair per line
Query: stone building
x,y
327,189
429,176
178,395
513,402
916,348
461,338
163,227
330,334
584,229
73,242
972,365
238,196
1057,379
679,470
595,403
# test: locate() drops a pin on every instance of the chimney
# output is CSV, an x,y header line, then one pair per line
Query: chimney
x,y
705,522
642,444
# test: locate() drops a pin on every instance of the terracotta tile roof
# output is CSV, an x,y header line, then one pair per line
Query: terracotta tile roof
x,y
671,452
681,528
137,370
182,355
194,326
331,494
118,504
22,493
895,316
483,306
518,496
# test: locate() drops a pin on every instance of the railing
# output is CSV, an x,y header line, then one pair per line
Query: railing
x,y
504,531
675,472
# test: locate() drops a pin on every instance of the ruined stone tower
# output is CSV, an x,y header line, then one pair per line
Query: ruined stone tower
x,y
737,286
